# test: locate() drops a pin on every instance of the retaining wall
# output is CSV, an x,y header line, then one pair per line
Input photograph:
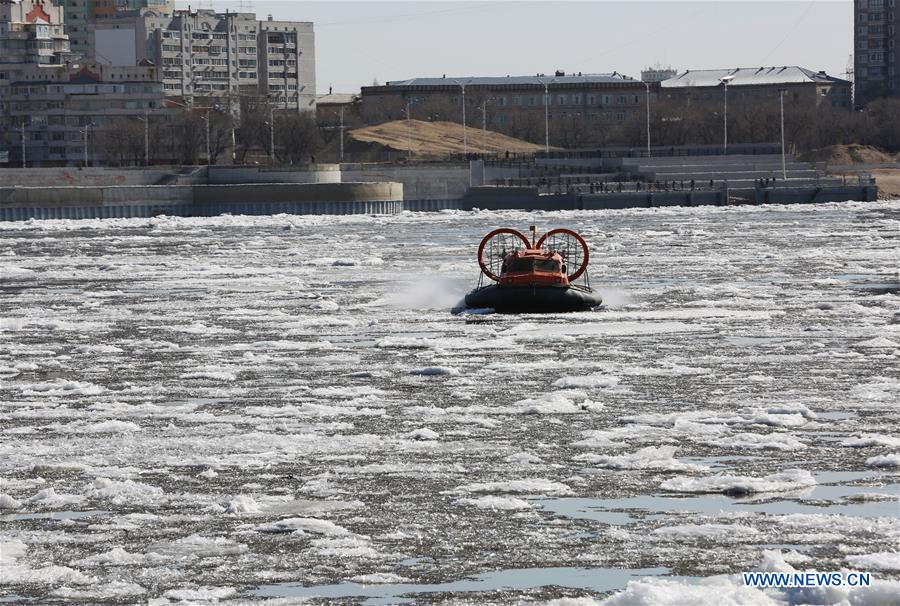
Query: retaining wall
x,y
420,182
18,203
321,173
67,177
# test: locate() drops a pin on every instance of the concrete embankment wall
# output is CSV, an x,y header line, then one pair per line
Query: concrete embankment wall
x,y
322,173
68,177
420,182
19,203
309,198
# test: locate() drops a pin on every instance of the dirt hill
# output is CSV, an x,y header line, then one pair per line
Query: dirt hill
x,y
438,138
844,155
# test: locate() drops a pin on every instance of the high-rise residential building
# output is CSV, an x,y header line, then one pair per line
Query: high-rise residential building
x,y
876,66
78,18
162,6
224,55
31,31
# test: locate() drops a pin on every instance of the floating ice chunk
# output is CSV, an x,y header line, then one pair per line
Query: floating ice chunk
x,y
719,532
787,480
62,387
113,557
878,343
430,371
872,439
216,375
558,402
326,305
712,591
47,498
16,272
777,419
14,573
7,502
346,547
524,458
379,578
889,460
303,526
109,591
886,560
111,426
651,457
347,392
423,434
203,594
243,504
754,441
194,546
123,492
792,409
495,502
589,381
535,486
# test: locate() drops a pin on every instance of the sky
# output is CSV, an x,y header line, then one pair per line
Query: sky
x,y
358,43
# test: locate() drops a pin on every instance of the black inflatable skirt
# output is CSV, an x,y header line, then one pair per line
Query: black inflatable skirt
x,y
533,299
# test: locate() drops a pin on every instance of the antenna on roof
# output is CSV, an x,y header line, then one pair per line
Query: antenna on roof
x,y
246,6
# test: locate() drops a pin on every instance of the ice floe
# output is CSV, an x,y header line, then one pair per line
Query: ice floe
x,y
790,479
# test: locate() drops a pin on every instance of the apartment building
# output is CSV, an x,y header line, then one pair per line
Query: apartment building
x,y
876,57
224,55
78,17
55,112
31,32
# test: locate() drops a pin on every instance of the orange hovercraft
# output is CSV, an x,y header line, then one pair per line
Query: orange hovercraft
x,y
533,277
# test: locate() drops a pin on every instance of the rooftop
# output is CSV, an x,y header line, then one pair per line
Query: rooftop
x,y
744,76
512,80
336,99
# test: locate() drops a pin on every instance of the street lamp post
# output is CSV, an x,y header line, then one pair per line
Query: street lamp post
x,y
647,85
547,113
465,131
725,81
146,121
483,109
781,92
271,134
409,102
342,134
85,145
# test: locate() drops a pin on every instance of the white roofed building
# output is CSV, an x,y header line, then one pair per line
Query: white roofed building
x,y
801,85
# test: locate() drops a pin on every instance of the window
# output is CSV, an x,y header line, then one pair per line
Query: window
x,y
562,100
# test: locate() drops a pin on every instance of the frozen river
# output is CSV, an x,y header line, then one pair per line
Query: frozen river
x,y
267,409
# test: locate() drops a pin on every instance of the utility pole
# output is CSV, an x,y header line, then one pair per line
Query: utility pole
x,y
342,134
725,81
271,134
462,87
146,138
208,154
781,92
408,131
647,84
